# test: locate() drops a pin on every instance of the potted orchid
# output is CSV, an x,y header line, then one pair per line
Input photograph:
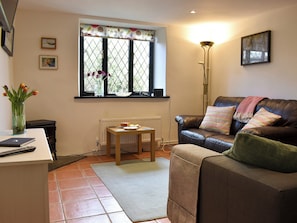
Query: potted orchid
x,y
17,99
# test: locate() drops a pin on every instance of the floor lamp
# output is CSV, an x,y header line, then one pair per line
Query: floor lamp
x,y
206,45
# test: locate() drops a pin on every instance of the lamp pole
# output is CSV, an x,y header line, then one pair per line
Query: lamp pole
x,y
206,45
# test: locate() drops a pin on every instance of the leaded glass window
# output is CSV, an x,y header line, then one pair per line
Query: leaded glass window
x,y
120,57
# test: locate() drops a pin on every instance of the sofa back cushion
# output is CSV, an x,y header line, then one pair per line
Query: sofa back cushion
x,y
287,109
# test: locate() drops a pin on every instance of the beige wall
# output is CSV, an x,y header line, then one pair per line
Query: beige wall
x,y
277,79
78,120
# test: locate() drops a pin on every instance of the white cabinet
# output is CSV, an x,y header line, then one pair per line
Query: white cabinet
x,y
24,181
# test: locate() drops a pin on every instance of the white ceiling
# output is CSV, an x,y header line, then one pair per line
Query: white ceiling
x,y
160,11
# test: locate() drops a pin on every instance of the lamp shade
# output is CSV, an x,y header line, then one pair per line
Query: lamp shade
x,y
206,43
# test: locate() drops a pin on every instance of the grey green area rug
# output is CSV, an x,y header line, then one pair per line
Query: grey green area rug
x,y
139,186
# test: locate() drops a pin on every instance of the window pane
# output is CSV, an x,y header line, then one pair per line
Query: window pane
x,y
141,66
93,54
118,65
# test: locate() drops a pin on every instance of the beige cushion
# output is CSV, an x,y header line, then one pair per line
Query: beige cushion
x,y
262,118
218,119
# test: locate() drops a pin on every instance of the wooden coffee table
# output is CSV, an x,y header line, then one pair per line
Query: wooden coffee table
x,y
119,131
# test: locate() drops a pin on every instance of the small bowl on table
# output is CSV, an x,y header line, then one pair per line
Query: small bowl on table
x,y
125,124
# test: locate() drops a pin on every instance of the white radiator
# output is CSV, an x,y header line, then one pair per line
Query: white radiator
x,y
153,122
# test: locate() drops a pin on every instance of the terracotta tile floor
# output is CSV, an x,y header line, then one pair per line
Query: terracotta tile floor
x,y
77,195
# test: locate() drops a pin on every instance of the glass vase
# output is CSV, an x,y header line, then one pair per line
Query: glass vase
x,y
18,117
99,89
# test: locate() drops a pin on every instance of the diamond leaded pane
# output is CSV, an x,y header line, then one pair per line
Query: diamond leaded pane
x,y
141,66
93,55
117,62
118,65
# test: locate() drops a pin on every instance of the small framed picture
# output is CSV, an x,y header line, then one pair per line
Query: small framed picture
x,y
255,48
48,43
48,62
7,39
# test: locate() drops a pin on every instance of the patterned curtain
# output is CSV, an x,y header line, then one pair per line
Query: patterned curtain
x,y
117,32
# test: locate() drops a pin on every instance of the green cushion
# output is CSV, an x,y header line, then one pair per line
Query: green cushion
x,y
263,152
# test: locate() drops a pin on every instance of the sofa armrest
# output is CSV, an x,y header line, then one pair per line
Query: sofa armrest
x,y
183,186
283,134
189,121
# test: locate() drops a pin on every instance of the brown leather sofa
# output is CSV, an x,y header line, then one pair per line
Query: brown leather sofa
x,y
284,130
217,189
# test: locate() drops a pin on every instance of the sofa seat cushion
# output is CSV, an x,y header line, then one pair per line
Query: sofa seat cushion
x,y
218,119
195,136
263,152
219,142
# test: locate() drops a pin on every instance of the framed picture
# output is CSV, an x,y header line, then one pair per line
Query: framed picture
x,y
48,62
7,41
48,43
255,48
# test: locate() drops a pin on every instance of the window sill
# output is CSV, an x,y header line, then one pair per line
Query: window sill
x,y
113,96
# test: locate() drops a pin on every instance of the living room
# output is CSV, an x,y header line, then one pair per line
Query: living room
x,y
78,119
